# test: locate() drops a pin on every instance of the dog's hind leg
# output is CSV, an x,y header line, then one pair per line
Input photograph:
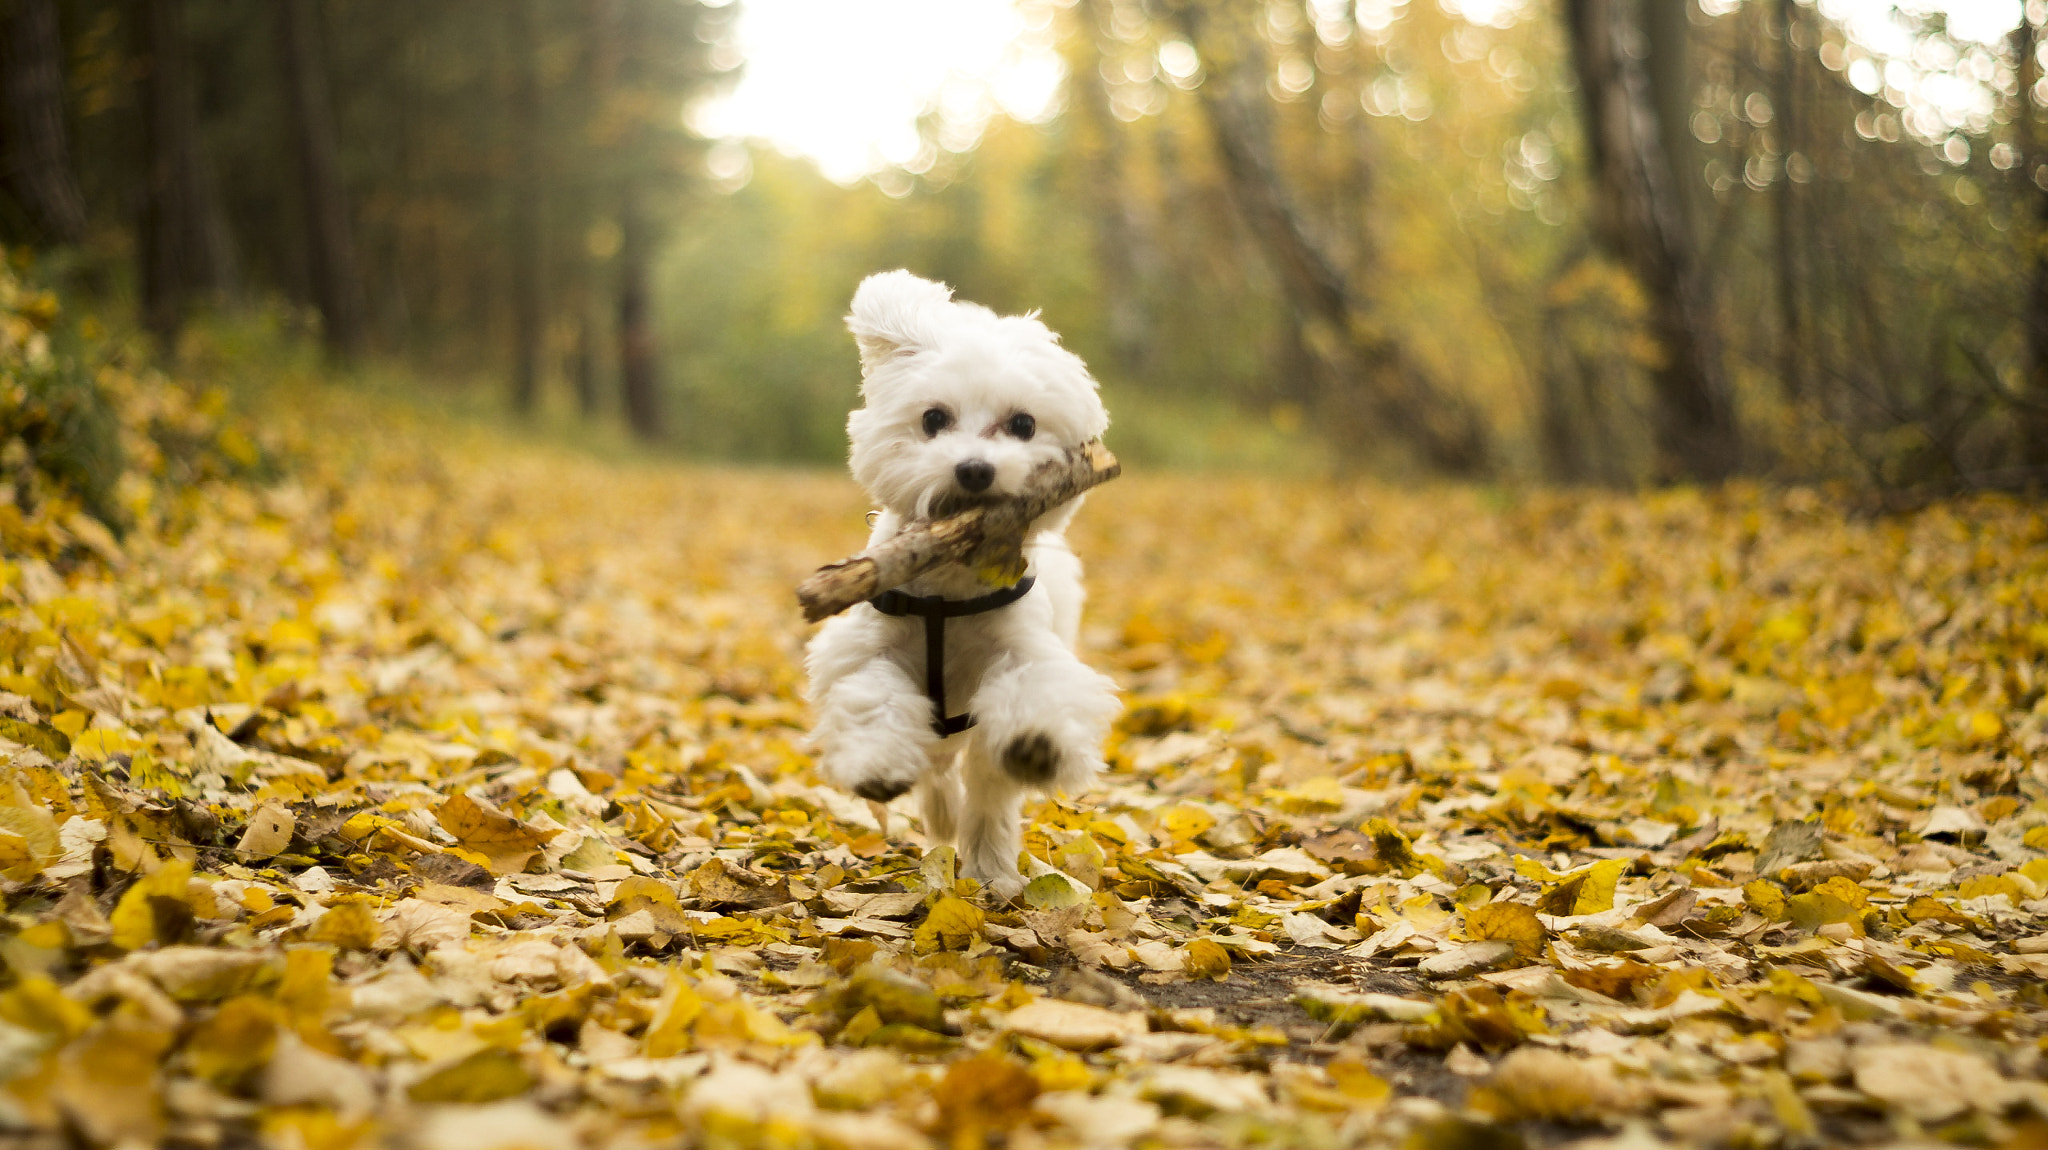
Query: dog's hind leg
x,y
940,796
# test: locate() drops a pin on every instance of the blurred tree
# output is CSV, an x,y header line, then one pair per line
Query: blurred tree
x,y
2030,176
1633,97
1367,381
528,307
183,240
1117,237
1787,222
330,244
639,380
639,383
35,150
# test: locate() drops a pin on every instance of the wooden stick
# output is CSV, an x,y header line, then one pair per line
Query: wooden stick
x,y
986,536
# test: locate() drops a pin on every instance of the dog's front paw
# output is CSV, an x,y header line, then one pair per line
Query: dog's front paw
x,y
1031,758
882,790
874,768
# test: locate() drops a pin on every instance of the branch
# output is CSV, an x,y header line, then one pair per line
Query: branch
x,y
988,536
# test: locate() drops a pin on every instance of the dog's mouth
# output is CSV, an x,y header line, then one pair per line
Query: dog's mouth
x,y
954,501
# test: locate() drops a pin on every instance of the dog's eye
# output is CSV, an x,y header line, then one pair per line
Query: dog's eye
x,y
936,420
1022,426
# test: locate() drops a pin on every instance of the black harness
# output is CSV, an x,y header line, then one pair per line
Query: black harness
x,y
935,610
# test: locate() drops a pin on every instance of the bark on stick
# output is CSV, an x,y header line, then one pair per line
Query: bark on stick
x,y
988,536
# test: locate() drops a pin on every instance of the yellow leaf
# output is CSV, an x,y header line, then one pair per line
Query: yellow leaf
x,y
109,1082
348,925
237,1039
35,1004
151,901
669,1033
1053,890
1208,958
1183,823
1854,897
1984,885
1985,726
306,990
17,861
99,744
1394,849
983,1094
1320,794
640,893
1508,921
486,1076
1588,890
1817,908
1765,899
952,924
37,830
1356,1082
862,1026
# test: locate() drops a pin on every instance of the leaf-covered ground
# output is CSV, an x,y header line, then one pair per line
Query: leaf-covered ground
x,y
451,792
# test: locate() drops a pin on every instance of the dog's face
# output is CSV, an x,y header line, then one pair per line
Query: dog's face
x,y
958,403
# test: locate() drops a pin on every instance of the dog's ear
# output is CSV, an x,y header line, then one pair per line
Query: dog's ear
x,y
892,314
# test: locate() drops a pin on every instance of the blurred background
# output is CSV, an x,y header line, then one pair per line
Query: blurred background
x,y
1579,241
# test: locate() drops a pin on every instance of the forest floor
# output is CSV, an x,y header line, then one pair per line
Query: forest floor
x,y
445,790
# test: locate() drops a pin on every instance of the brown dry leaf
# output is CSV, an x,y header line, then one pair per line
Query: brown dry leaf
x,y
269,832
1074,1025
506,844
1555,1087
719,883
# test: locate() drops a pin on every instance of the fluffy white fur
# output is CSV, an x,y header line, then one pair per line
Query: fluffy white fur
x,y
1040,713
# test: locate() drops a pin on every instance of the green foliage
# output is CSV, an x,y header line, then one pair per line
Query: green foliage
x,y
57,436
94,441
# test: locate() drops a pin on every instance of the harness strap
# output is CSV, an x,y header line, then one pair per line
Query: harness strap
x,y
935,610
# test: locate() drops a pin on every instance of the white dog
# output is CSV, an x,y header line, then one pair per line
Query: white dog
x,y
959,404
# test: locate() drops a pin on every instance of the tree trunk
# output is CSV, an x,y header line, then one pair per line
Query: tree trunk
x,y
1557,432
2032,171
1367,382
528,315
1785,211
182,249
639,385
583,366
1643,220
330,241
35,162
1116,237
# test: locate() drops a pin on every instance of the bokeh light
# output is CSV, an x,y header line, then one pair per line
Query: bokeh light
x,y
863,85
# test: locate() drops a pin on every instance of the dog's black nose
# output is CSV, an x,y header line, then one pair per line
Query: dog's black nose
x,y
975,474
